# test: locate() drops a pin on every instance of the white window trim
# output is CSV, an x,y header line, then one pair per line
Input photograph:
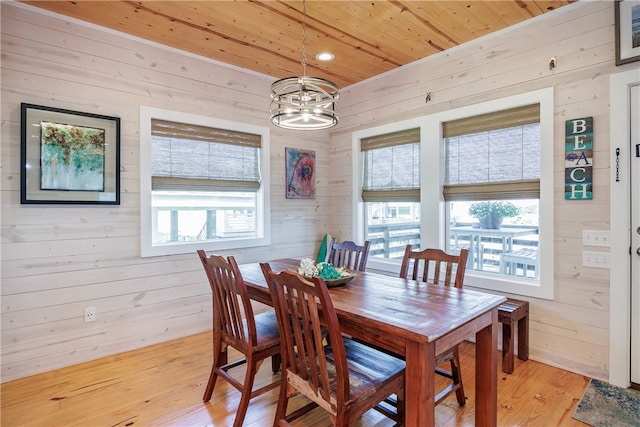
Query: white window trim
x,y
263,218
433,205
358,177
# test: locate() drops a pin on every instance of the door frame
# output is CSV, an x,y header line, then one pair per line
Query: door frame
x,y
620,230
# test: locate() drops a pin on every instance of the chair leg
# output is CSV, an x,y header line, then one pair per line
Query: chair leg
x,y
343,419
400,408
247,388
283,401
276,363
208,392
457,377
219,359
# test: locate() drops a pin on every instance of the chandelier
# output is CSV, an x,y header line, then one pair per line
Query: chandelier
x,y
304,103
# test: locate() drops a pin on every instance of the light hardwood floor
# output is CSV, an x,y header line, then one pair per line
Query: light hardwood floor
x,y
162,385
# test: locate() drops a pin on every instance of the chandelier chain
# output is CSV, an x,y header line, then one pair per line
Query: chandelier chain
x,y
304,37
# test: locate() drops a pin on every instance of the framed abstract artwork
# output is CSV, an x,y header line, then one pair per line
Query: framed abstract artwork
x,y
68,157
627,14
300,173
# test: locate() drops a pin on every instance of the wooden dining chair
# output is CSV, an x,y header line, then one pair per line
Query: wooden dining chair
x,y
348,254
255,336
438,267
345,378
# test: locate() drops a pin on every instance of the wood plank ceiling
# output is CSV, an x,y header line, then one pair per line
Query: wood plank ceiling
x,y
367,37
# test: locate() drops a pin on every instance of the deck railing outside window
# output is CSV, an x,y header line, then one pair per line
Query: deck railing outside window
x,y
511,250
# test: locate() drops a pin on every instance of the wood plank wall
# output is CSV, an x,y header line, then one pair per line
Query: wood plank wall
x,y
571,332
56,260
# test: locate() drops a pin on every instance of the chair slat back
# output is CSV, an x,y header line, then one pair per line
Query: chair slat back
x,y
348,254
303,308
432,265
233,313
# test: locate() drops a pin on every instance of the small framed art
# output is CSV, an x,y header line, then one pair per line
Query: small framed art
x,y
68,157
627,13
300,170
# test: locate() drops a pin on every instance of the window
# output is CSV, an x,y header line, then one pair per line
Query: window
x,y
492,188
203,183
499,151
391,192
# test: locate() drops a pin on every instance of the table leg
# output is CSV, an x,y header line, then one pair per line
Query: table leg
x,y
420,384
487,374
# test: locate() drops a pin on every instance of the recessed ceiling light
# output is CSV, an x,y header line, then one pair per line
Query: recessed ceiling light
x,y
325,56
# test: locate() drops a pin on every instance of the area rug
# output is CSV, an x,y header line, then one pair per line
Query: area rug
x,y
605,405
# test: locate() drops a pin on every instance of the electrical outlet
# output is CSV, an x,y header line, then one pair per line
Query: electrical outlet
x,y
595,259
89,314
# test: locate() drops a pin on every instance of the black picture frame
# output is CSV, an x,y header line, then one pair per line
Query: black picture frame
x,y
627,19
68,157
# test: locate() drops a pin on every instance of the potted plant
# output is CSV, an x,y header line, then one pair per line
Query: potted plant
x,y
490,214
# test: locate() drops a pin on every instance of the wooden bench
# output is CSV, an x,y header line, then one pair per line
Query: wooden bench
x,y
510,312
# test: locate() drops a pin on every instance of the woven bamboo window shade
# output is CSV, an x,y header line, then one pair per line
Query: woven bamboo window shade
x,y
392,167
494,156
199,158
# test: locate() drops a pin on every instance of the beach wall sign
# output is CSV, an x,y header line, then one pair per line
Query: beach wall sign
x,y
578,172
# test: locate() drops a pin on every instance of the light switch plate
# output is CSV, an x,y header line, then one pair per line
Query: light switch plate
x,y
596,238
595,259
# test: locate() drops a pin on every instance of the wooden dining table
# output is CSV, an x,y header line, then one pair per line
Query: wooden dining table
x,y
418,321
